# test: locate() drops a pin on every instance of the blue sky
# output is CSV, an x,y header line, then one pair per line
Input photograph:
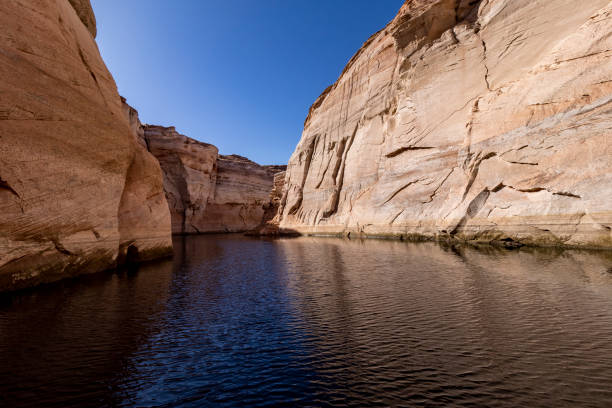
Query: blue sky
x,y
238,74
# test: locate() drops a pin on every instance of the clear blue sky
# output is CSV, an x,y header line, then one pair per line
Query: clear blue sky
x,y
239,74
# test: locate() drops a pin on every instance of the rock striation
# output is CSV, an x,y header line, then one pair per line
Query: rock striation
x,y
269,225
86,14
77,192
208,192
189,171
472,120
242,191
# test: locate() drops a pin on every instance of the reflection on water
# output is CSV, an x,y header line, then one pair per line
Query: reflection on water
x,y
233,321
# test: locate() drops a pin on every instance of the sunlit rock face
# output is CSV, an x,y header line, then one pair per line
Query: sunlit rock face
x,y
190,170
270,222
208,192
242,194
480,120
76,190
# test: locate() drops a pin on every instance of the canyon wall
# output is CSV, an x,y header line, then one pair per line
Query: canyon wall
x,y
242,190
269,225
77,192
208,192
472,120
189,171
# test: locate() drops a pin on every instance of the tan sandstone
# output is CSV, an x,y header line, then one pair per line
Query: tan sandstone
x,y
242,192
189,171
86,14
76,189
208,192
269,225
475,120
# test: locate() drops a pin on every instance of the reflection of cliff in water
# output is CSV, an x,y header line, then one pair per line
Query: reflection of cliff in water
x,y
235,321
56,336
386,312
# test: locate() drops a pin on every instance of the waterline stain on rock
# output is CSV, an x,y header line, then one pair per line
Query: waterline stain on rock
x,y
460,116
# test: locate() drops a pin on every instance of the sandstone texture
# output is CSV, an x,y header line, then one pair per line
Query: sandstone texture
x,y
472,120
86,14
208,192
189,171
269,225
76,189
242,191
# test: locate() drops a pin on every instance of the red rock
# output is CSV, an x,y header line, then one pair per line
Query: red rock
x,y
75,187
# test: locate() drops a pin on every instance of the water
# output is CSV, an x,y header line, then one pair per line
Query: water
x,y
233,321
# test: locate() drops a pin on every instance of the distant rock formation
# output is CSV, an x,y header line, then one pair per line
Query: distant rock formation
x,y
77,193
208,192
144,215
475,120
242,190
269,225
189,171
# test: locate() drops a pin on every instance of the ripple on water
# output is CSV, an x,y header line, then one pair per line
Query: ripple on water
x,y
233,321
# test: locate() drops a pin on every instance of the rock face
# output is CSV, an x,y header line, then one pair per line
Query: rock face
x,y
189,170
242,190
270,222
269,225
144,215
76,190
208,192
475,120
86,14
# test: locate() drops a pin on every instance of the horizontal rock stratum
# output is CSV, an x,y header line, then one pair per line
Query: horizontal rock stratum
x,y
208,192
77,190
477,120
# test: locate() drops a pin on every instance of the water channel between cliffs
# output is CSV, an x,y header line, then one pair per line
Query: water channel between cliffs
x,y
236,321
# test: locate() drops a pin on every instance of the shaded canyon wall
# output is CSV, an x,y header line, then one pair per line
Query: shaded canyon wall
x,y
208,192
474,120
76,189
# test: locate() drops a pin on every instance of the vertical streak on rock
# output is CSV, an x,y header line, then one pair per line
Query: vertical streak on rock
x,y
536,76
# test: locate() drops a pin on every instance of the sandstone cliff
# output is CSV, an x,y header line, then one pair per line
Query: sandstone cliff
x,y
208,192
242,192
86,14
478,120
269,225
189,171
76,190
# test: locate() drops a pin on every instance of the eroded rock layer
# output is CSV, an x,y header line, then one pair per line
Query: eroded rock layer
x,y
208,192
269,225
76,190
242,192
86,14
479,120
189,170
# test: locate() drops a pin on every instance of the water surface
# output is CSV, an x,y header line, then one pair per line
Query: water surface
x,y
234,321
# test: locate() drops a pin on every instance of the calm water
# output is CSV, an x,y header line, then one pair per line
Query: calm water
x,y
233,321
